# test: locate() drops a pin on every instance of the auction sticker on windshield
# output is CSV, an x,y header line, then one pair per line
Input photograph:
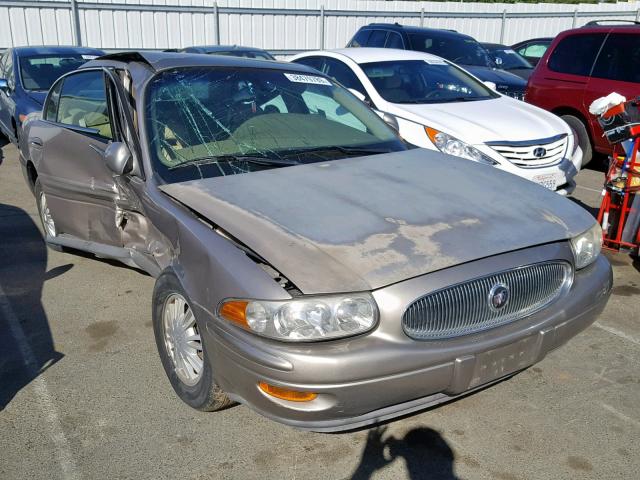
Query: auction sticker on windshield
x,y
296,77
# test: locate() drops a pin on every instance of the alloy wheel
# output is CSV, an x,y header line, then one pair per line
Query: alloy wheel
x,y
46,218
182,339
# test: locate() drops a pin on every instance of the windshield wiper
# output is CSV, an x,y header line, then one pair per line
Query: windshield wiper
x,y
339,148
234,158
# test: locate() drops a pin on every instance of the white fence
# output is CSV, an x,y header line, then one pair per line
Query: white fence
x,y
276,24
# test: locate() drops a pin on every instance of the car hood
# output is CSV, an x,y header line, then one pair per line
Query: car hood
x,y
499,119
37,96
364,223
499,77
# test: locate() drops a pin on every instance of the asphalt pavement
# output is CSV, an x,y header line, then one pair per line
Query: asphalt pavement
x,y
85,396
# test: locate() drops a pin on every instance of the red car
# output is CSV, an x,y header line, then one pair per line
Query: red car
x,y
584,64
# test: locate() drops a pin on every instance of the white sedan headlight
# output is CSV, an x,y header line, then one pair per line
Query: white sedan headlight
x,y
451,145
309,318
587,246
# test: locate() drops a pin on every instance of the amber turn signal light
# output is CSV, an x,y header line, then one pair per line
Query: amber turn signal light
x,y
284,394
234,311
431,133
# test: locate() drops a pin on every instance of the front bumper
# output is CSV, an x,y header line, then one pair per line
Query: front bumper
x,y
384,374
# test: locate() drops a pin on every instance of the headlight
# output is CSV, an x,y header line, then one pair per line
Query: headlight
x,y
451,145
586,246
305,319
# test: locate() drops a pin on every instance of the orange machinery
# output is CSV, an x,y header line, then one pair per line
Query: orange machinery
x,y
619,213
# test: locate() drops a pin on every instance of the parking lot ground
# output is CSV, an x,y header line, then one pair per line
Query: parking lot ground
x,y
86,396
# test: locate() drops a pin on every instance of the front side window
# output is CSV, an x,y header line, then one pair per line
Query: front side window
x,y
420,81
51,107
458,49
83,103
575,54
394,40
213,121
619,59
377,38
40,71
360,39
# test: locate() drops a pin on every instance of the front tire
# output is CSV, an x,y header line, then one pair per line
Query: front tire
x,y
582,135
181,348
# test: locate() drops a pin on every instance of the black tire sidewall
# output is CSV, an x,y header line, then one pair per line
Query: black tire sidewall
x,y
198,395
584,140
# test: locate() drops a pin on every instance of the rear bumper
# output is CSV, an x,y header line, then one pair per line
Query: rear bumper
x,y
367,379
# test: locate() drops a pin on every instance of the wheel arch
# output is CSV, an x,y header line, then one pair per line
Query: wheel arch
x,y
560,111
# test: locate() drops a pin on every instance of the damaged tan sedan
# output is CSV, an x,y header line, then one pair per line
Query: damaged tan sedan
x,y
307,263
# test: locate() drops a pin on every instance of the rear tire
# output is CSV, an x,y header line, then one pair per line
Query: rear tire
x,y
195,387
46,220
582,134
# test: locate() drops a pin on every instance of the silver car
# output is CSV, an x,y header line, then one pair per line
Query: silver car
x,y
307,263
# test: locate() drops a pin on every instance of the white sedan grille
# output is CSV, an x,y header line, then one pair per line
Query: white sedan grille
x,y
535,153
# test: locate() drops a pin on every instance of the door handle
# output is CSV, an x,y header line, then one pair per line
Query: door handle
x,y
36,143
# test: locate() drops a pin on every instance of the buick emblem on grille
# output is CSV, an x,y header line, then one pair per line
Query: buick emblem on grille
x,y
539,152
499,296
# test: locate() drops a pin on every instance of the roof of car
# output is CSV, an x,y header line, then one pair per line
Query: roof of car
x,y
368,54
220,48
531,40
604,28
163,60
411,29
56,50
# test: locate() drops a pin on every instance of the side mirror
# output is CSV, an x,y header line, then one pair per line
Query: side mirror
x,y
118,158
491,85
4,85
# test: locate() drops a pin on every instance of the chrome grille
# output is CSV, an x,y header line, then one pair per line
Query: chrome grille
x,y
533,154
465,308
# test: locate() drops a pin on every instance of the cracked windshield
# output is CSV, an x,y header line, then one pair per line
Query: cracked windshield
x,y
207,122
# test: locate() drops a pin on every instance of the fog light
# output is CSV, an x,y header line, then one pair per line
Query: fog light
x,y
284,394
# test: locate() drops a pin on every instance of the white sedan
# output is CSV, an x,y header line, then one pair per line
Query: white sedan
x,y
435,104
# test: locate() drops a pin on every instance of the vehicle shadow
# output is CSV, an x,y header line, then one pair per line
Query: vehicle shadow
x,y
26,344
426,453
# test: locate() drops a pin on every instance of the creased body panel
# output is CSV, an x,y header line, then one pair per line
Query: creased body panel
x,y
367,222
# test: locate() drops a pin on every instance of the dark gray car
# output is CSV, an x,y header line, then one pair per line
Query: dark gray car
x,y
307,264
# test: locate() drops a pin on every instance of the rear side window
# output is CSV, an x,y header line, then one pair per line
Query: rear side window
x,y
619,59
83,103
377,38
360,39
575,54
313,62
534,50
